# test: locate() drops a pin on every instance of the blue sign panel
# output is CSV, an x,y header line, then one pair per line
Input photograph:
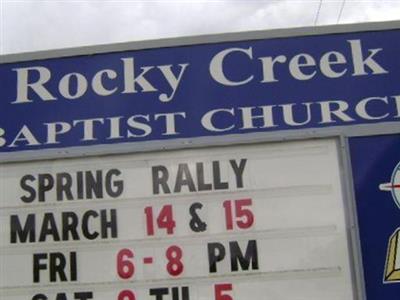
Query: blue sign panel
x,y
376,170
202,90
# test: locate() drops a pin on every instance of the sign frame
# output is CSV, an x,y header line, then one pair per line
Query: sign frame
x,y
340,133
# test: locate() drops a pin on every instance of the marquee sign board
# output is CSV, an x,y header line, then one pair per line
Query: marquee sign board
x,y
246,203
227,218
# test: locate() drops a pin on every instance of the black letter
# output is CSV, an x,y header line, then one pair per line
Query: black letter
x,y
85,225
185,293
73,266
216,253
64,183
238,171
202,186
16,229
46,183
37,266
250,256
83,295
26,187
159,292
57,266
160,179
112,224
61,296
218,184
79,184
183,177
39,297
94,185
118,184
49,227
70,223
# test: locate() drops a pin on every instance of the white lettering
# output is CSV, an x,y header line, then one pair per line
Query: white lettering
x,y
88,128
361,108
329,59
170,122
360,63
207,119
248,117
327,111
55,129
300,61
25,135
397,100
23,84
268,67
217,67
65,86
288,115
133,123
98,85
130,79
2,140
115,131
172,80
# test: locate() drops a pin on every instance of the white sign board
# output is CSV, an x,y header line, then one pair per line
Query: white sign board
x,y
238,223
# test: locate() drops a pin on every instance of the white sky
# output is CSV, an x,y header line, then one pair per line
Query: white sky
x,y
33,25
